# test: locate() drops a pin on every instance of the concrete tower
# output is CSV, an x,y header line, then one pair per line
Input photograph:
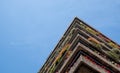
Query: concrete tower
x,y
82,49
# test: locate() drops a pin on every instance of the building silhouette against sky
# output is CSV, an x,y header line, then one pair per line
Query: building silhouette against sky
x,y
82,49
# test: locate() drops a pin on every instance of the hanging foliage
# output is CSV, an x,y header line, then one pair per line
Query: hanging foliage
x,y
114,54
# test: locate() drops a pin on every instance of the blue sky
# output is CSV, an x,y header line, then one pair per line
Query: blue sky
x,y
30,29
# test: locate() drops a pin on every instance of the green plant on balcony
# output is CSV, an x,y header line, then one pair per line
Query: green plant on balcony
x,y
98,46
96,43
113,45
91,31
71,32
52,68
114,54
59,58
83,25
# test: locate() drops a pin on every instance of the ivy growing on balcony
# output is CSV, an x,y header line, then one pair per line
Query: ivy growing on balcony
x,y
114,54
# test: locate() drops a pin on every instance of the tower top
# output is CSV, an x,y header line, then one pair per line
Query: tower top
x,y
83,44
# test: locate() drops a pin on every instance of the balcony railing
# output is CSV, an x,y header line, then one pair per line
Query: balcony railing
x,y
87,60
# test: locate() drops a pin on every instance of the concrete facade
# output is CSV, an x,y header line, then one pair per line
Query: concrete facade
x,y
82,49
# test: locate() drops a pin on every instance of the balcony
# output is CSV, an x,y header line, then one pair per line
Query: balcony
x,y
82,59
